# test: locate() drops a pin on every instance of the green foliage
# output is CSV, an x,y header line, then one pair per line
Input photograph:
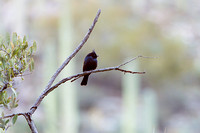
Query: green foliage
x,y
5,123
14,119
16,57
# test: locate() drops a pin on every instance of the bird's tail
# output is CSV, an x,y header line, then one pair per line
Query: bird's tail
x,y
85,79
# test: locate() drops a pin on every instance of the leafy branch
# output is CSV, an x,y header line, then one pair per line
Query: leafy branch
x,y
16,57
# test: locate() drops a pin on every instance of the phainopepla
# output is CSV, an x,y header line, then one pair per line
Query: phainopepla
x,y
90,63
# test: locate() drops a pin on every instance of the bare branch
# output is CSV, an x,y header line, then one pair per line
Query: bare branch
x,y
34,107
30,122
77,76
11,115
140,56
87,72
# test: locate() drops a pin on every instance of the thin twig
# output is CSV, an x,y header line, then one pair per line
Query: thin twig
x,y
129,61
139,56
126,71
11,115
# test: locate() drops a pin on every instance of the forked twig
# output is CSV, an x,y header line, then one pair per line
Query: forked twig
x,y
34,107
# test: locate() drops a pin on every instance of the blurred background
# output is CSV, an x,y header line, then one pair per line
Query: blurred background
x,y
164,100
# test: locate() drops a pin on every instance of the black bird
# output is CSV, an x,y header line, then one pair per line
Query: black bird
x,y
90,63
